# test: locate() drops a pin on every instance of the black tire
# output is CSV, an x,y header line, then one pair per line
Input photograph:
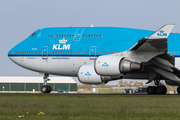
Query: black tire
x,y
159,90
164,89
178,90
151,90
44,89
48,89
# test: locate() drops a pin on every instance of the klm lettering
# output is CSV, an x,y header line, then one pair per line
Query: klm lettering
x,y
61,46
161,33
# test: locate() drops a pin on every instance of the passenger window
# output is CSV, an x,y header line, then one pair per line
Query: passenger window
x,y
78,52
65,52
62,52
174,53
68,52
88,35
99,35
64,35
85,35
52,52
97,52
109,52
96,35
103,52
49,36
171,53
91,35
71,52
69,35
61,35
102,35
81,52
84,52
57,52
56,35
38,52
100,52
72,35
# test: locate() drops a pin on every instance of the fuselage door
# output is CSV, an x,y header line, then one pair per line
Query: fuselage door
x,y
45,52
78,34
92,53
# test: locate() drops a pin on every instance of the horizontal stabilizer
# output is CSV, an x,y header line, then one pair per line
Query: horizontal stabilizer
x,y
166,74
162,32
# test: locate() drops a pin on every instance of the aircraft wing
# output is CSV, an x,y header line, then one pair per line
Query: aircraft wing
x,y
157,42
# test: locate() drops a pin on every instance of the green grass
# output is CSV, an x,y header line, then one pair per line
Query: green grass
x,y
89,107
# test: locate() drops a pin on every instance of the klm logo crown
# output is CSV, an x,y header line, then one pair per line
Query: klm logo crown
x,y
87,74
161,33
63,40
105,64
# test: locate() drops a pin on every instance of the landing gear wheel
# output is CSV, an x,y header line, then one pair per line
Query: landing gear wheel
x,y
46,89
178,90
164,89
151,90
159,90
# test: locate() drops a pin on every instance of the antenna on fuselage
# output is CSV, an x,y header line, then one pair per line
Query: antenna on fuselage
x,y
92,25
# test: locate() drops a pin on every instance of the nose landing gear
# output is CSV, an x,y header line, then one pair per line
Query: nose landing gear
x,y
46,88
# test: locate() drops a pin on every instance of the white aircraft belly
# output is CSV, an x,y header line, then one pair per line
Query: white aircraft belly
x,y
53,65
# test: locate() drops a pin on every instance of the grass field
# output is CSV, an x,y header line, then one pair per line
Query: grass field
x,y
89,107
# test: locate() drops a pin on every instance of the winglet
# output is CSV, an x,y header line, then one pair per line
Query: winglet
x,y
162,32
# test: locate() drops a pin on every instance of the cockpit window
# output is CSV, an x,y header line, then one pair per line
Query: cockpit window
x,y
34,34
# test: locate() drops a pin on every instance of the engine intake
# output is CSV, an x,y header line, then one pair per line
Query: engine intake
x,y
114,65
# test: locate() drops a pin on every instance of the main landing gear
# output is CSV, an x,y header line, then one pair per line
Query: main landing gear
x,y
158,89
46,88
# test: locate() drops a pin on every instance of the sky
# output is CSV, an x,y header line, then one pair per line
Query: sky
x,y
19,18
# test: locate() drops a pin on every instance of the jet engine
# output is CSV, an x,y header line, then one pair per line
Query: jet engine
x,y
87,75
115,65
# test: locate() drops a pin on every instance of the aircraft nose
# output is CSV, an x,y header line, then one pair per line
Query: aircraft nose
x,y
11,54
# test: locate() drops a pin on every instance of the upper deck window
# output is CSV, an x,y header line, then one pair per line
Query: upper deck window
x,y
33,34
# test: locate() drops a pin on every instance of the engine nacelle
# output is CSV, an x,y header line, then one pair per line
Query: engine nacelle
x,y
87,75
115,65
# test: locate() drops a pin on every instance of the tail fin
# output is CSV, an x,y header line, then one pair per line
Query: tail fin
x,y
162,32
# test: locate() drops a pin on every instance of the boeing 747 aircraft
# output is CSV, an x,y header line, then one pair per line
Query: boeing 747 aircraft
x,y
100,54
